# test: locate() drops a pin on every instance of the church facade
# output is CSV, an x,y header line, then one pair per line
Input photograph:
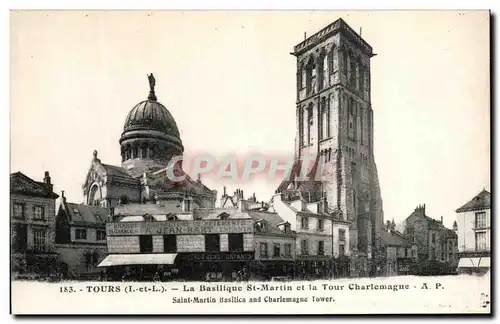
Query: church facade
x,y
149,141
334,119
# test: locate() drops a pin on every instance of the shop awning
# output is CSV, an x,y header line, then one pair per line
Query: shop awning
x,y
474,262
138,259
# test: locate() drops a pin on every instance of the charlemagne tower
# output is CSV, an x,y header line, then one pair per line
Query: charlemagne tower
x,y
334,119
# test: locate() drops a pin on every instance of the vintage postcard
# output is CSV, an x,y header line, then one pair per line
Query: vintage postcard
x,y
252,162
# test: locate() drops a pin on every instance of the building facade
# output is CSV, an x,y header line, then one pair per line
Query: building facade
x,y
181,245
80,238
474,234
274,238
436,245
32,226
397,252
334,120
322,239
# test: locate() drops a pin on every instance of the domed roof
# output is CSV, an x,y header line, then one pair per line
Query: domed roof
x,y
151,115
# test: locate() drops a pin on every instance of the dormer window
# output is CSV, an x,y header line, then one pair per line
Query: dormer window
x,y
260,226
149,218
223,216
171,217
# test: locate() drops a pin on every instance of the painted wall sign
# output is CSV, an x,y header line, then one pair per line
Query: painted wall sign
x,y
217,256
180,227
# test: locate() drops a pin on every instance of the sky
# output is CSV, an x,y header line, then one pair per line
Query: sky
x,y
229,81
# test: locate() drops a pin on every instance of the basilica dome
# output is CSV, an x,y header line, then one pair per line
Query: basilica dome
x,y
151,115
150,136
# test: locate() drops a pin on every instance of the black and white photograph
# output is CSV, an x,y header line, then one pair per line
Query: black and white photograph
x,y
237,162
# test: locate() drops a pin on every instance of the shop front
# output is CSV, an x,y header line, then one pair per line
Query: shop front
x,y
196,266
474,262
313,267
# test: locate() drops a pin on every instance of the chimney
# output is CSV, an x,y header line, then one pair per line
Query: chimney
x,y
63,196
111,213
186,204
241,206
441,219
224,194
254,198
46,178
455,226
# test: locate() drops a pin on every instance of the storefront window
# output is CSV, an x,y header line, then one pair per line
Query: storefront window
x,y
169,243
212,243
235,242
146,243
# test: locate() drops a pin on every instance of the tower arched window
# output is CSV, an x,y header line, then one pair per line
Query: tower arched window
x,y
352,70
331,55
351,119
301,126
345,62
328,126
357,80
362,80
322,120
309,123
323,71
310,76
302,76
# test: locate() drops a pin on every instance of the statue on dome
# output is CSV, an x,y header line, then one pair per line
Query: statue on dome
x,y
152,82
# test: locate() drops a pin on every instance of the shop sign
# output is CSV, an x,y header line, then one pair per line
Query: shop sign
x,y
180,227
217,256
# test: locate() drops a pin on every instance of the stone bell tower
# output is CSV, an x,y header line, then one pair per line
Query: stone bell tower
x,y
334,120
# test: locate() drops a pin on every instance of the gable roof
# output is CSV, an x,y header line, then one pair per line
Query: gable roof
x,y
22,184
481,201
85,214
272,220
393,239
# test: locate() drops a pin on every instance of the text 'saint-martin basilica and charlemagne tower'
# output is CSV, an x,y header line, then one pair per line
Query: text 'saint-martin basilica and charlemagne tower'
x,y
149,140
334,120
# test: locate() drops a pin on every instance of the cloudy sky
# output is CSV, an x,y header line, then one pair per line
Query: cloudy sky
x,y
229,81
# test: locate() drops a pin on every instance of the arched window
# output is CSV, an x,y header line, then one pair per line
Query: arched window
x,y
310,76
309,123
94,195
328,126
322,119
357,79
301,126
351,119
134,152
352,70
323,70
331,56
361,79
144,152
345,62
123,154
302,76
